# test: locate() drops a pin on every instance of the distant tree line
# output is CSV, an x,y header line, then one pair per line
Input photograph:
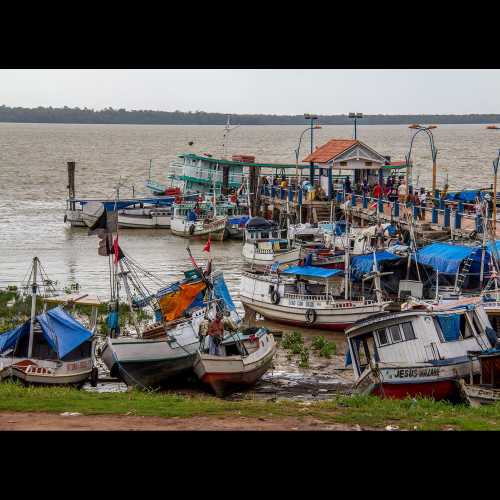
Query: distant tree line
x,y
149,117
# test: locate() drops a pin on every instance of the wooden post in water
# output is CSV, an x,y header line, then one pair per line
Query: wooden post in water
x,y
71,184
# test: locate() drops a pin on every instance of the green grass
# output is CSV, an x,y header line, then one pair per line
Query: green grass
x,y
366,411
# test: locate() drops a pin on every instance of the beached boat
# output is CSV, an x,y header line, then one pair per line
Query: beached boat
x,y
305,296
417,352
485,388
51,348
192,220
246,358
264,244
167,349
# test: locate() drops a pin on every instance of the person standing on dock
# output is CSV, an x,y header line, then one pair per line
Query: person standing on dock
x,y
377,191
402,192
347,185
423,202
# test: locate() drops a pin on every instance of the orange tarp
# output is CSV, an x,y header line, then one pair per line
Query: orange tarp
x,y
173,305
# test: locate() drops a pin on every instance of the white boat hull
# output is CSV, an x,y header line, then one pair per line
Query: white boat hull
x,y
187,229
255,256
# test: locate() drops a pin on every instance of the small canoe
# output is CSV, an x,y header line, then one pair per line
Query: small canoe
x,y
236,370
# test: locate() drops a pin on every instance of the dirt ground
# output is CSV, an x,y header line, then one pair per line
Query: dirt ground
x,y
50,421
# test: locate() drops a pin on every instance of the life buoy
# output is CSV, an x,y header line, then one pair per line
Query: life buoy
x,y
275,297
311,316
191,229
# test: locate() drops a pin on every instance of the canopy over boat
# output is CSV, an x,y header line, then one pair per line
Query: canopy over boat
x,y
447,258
259,223
62,332
111,205
88,299
313,272
467,196
221,292
363,264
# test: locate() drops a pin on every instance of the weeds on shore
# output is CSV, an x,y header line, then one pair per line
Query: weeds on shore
x,y
324,347
294,343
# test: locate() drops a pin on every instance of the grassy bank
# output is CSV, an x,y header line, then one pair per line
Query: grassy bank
x,y
365,411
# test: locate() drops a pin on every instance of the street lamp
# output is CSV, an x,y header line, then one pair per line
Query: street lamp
x,y
495,170
297,151
420,128
356,117
311,117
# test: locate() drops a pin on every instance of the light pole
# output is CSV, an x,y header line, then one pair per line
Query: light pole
x,y
427,130
495,170
311,117
297,151
356,117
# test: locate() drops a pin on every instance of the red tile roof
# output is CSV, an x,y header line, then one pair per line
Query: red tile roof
x,y
330,150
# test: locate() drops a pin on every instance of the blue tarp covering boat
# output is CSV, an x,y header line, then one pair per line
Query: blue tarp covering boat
x,y
363,264
241,220
467,196
221,292
313,272
62,332
447,258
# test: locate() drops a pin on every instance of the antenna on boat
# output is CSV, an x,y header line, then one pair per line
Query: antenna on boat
x,y
225,136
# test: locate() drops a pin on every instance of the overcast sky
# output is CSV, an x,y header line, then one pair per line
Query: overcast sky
x,y
258,91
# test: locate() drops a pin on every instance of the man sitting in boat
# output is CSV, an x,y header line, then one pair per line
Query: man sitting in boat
x,y
215,332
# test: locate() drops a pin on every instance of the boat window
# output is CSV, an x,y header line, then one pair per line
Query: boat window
x,y
264,235
395,333
408,332
465,327
382,337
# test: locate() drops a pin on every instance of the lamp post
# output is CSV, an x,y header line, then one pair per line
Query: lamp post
x,y
297,151
356,117
427,130
311,117
495,170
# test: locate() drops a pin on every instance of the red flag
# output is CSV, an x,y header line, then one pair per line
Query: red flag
x,y
116,250
206,248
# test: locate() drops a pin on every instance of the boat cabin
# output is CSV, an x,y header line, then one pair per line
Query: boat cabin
x,y
418,336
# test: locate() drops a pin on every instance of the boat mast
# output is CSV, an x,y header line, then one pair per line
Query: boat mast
x,y
33,306
483,249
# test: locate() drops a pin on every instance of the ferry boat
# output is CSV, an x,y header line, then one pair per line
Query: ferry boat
x,y
264,244
305,296
420,352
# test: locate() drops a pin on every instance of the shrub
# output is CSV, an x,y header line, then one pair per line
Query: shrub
x,y
304,358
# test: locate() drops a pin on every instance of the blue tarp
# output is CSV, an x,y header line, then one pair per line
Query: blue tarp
x,y
241,221
363,264
110,205
62,332
468,196
221,292
313,272
450,326
447,258
8,339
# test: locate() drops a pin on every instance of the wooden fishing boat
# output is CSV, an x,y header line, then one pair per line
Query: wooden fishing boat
x,y
485,390
153,362
246,359
192,220
264,244
305,296
52,348
417,353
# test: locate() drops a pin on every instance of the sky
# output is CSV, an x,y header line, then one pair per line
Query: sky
x,y
266,91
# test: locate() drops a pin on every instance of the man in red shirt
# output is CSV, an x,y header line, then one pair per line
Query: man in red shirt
x,y
377,191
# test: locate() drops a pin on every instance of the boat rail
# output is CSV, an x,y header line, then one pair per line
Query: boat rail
x,y
328,298
179,170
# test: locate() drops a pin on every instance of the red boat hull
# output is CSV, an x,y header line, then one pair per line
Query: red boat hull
x,y
442,389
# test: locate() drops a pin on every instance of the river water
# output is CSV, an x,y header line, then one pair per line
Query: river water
x,y
33,183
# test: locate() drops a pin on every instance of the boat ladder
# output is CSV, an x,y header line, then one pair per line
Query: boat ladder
x,y
459,282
